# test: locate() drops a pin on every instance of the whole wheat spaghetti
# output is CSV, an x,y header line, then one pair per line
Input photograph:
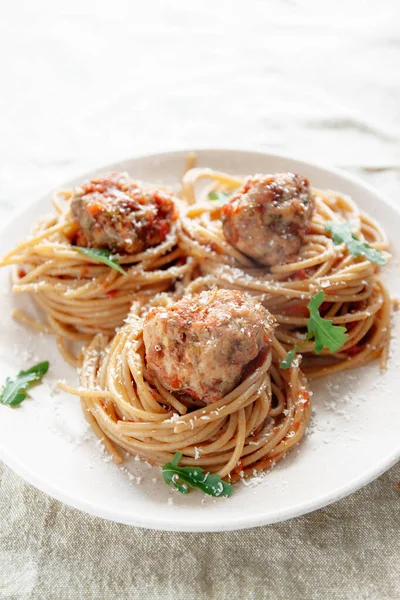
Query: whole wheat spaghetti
x,y
250,428
266,409
354,293
79,295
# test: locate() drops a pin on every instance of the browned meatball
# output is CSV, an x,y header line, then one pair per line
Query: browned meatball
x,y
115,212
268,217
200,345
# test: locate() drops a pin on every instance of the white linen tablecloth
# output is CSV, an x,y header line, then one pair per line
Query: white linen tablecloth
x,y
85,83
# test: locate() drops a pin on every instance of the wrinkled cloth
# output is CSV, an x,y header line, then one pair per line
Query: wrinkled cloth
x,y
85,84
349,550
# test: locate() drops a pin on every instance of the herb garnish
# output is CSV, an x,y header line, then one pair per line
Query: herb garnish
x,y
184,477
15,390
342,234
286,363
223,196
325,333
101,255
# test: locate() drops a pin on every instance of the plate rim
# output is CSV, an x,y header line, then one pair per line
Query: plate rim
x,y
230,523
166,524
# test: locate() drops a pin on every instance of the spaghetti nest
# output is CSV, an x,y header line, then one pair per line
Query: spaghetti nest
x,y
79,295
249,429
355,296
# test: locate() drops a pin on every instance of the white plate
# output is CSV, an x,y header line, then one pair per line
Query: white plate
x,y
353,437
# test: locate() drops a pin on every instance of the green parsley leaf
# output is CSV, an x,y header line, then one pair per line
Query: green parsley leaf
x,y
323,330
286,363
15,390
223,196
101,255
185,477
342,234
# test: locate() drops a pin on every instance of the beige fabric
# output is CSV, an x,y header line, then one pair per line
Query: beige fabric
x,y
348,551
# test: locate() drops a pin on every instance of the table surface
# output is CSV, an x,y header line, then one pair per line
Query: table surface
x,y
85,84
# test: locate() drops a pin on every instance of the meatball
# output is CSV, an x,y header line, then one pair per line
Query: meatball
x,y
200,345
268,217
115,212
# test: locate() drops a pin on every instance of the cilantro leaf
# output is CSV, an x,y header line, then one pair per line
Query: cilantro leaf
x,y
323,330
101,255
15,390
223,196
184,477
342,234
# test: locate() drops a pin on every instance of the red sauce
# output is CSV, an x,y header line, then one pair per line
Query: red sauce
x,y
254,364
175,382
301,274
238,468
353,350
304,397
95,209
299,310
